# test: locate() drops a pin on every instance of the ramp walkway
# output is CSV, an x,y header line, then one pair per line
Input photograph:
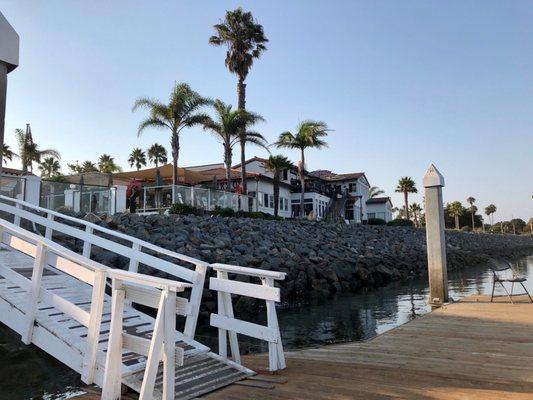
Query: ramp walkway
x,y
85,314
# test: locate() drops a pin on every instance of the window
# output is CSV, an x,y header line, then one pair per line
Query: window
x,y
271,202
265,199
285,174
371,215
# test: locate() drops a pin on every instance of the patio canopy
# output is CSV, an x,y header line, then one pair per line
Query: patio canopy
x,y
185,176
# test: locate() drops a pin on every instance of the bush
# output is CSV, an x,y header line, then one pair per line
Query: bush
x,y
253,214
224,212
376,221
183,209
400,222
466,228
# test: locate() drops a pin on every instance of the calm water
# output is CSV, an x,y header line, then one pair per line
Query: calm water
x,y
26,372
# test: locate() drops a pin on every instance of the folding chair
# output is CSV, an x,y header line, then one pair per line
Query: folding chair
x,y
499,276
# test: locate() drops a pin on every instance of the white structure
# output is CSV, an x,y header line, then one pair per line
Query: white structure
x,y
379,207
55,299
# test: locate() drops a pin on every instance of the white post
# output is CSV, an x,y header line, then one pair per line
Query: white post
x,y
120,199
38,266
435,239
32,189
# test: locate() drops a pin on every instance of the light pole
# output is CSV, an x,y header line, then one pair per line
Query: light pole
x,y
9,60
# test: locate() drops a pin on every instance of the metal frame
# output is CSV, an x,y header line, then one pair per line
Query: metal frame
x,y
512,281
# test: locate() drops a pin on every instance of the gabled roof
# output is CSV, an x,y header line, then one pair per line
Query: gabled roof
x,y
255,158
14,172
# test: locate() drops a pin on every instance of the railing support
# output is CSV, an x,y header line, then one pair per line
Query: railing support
x,y
36,278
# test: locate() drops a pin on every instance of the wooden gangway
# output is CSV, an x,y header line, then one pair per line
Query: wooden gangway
x,y
83,313
472,349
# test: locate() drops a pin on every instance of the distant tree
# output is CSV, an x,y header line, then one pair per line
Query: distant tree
x,y
489,211
406,185
472,210
309,134
245,41
7,153
137,158
416,210
106,164
29,150
227,128
89,166
374,191
49,167
181,112
518,225
157,154
276,164
455,210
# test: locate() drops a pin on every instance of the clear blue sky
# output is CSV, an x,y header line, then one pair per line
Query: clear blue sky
x,y
402,83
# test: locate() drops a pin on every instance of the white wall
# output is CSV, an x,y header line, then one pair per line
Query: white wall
x,y
382,210
263,187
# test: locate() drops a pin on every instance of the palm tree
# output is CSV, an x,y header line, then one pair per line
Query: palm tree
x,y
245,41
88,166
137,158
473,209
406,185
276,164
107,165
416,211
456,210
29,150
374,191
49,167
227,128
309,134
490,210
7,153
181,112
157,154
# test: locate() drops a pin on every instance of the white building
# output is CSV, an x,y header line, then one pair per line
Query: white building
x,y
379,207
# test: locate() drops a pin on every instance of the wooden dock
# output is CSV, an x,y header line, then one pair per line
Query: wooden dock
x,y
472,349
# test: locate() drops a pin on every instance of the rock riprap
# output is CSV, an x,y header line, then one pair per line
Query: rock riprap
x,y
320,259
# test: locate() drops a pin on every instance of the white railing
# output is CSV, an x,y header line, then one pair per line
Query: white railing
x,y
47,253
135,252
152,292
229,326
155,198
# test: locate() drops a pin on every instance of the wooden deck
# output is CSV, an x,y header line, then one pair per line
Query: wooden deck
x,y
472,349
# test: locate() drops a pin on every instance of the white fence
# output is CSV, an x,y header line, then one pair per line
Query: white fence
x,y
155,198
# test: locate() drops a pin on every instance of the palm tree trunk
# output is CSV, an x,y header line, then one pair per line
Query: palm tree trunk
x,y
241,98
302,183
276,194
473,227
406,199
457,222
175,154
227,161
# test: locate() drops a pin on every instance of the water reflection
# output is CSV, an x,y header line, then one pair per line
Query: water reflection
x,y
345,318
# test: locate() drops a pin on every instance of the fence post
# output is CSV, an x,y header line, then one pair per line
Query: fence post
x,y
435,239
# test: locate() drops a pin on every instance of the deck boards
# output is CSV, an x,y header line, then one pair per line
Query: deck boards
x,y
472,349
202,372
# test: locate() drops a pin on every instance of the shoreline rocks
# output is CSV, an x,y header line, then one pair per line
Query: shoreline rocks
x,y
320,259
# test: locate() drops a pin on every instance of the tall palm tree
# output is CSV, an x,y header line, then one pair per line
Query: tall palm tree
x,y
49,167
7,153
406,185
245,41
473,209
137,158
309,134
181,112
227,128
416,211
107,165
157,154
490,210
456,210
29,150
374,191
276,164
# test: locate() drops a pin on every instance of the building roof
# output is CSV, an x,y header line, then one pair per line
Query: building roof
x,y
255,158
13,171
185,176
379,200
328,175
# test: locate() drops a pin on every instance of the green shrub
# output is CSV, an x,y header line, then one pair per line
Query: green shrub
x,y
400,222
224,212
183,209
376,221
